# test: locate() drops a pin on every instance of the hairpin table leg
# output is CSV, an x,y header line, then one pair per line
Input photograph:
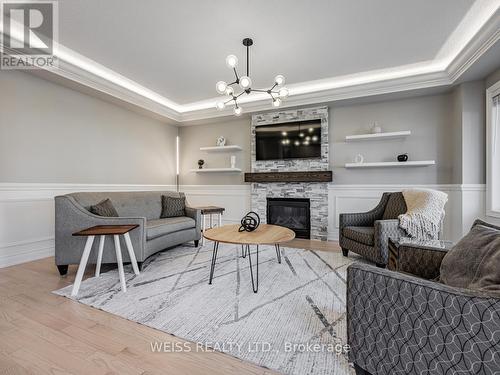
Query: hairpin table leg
x,y
278,253
255,286
214,259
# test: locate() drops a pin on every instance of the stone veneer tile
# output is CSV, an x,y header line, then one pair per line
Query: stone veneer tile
x,y
316,192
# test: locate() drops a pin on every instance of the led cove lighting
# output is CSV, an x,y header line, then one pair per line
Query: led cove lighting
x,y
478,16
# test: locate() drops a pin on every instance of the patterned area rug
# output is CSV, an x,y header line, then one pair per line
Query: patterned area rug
x,y
295,324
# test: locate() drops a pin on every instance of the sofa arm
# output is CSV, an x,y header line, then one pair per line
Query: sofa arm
x,y
420,261
400,324
71,217
385,229
195,214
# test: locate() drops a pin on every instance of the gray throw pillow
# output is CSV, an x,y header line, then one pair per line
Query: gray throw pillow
x,y
172,206
104,208
473,263
395,206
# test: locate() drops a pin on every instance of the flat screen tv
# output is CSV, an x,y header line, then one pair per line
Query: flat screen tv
x,y
290,140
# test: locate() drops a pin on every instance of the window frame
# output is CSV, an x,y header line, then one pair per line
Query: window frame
x,y
491,92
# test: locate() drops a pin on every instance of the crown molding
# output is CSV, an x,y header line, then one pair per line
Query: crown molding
x,y
68,70
483,40
481,25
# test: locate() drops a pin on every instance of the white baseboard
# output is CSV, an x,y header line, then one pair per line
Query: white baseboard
x,y
27,210
25,251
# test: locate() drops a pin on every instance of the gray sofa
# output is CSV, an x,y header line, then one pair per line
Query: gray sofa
x,y
142,208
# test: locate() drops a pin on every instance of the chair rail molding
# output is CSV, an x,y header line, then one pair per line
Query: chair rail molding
x,y
27,209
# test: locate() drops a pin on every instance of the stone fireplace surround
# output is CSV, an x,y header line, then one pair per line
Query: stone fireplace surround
x,y
316,192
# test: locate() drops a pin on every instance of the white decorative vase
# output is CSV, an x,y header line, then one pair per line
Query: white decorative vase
x,y
376,128
233,161
221,141
359,159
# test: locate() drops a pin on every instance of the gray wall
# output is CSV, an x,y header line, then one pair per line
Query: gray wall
x,y
428,118
492,78
473,132
236,131
50,133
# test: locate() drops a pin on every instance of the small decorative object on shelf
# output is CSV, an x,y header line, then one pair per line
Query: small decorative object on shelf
x,y
200,163
250,222
376,128
221,141
403,157
233,161
359,158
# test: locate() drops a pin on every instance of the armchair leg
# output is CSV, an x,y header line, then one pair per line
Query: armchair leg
x,y
196,242
360,371
63,270
380,265
345,252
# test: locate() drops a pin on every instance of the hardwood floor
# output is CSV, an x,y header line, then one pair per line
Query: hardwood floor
x,y
41,333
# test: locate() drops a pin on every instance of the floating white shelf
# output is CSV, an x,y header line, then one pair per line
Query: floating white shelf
x,y
215,170
377,136
221,148
397,164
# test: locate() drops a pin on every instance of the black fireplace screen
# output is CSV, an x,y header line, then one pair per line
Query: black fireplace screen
x,y
292,213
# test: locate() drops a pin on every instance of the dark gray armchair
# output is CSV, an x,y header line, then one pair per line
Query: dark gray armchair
x,y
400,323
368,233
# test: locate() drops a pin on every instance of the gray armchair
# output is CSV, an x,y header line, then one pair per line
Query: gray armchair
x,y
368,233
399,323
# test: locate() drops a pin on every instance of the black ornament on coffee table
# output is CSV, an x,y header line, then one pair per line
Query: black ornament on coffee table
x,y
250,222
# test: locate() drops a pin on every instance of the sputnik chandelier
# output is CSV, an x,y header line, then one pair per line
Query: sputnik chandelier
x,y
277,92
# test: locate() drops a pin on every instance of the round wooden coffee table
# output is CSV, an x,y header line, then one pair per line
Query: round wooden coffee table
x,y
265,234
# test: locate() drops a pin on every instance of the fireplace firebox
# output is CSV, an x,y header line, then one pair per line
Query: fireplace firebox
x,y
293,213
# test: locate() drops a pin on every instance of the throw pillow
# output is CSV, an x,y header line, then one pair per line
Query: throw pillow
x,y
172,206
104,208
395,206
473,262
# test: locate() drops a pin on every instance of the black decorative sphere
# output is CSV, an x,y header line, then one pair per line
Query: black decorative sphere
x,y
403,157
250,222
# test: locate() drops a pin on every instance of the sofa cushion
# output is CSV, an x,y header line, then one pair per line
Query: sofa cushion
x,y
160,227
128,203
104,208
473,262
172,206
395,206
362,235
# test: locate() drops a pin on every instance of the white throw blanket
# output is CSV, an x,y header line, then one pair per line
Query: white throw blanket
x,y
425,207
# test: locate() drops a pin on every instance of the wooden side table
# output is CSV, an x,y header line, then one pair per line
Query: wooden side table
x,y
210,211
102,231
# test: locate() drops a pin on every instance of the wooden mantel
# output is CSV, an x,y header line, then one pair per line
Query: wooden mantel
x,y
305,176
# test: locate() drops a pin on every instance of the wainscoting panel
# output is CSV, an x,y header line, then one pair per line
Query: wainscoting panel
x,y
27,210
27,217
234,198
